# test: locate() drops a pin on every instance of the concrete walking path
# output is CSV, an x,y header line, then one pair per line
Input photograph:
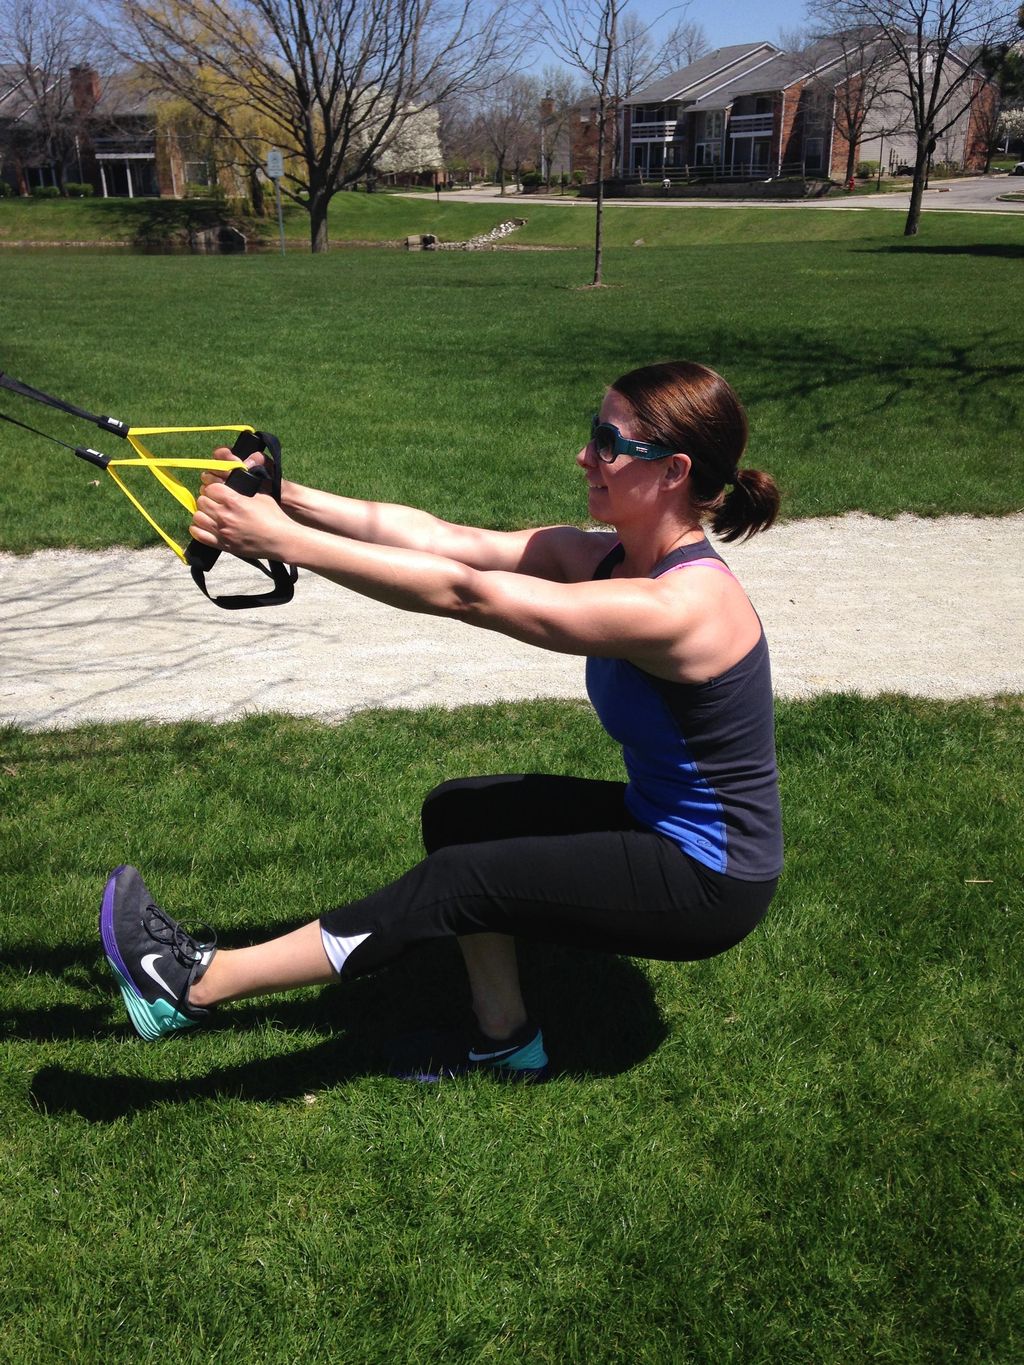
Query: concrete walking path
x,y
923,607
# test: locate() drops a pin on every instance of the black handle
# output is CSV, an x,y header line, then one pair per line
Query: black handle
x,y
248,482
244,481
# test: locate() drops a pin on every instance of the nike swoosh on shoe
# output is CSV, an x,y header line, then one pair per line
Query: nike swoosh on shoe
x,y
147,965
475,1056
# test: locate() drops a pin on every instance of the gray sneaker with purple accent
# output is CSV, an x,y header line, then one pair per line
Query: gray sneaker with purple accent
x,y
154,960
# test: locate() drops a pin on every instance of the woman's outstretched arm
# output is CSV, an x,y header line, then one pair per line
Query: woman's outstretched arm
x,y
544,552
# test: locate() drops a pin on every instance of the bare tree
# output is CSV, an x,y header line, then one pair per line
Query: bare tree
x,y
795,40
563,90
508,118
932,46
988,125
40,42
585,33
860,79
332,82
460,134
638,59
685,43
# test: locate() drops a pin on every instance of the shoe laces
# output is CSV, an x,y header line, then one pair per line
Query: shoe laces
x,y
187,949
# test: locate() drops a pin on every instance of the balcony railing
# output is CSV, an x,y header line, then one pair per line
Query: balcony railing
x,y
750,125
655,132
739,170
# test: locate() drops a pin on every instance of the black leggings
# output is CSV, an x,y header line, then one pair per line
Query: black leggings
x,y
554,859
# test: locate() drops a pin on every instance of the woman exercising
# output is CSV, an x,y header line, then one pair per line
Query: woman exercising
x,y
679,862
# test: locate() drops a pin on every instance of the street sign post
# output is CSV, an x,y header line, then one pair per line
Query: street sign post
x,y
275,170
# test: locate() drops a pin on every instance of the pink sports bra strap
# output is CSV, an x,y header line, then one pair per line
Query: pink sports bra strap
x,y
704,563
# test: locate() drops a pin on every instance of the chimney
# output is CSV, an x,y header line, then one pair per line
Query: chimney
x,y
547,106
85,89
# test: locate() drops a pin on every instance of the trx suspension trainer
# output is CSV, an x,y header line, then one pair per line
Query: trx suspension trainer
x,y
199,558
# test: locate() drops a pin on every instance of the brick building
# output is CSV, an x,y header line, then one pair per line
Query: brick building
x,y
568,139
105,135
755,112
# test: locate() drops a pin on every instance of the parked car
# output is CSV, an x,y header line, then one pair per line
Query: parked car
x,y
1018,169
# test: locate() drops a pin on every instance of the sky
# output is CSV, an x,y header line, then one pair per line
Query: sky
x,y
724,23
732,21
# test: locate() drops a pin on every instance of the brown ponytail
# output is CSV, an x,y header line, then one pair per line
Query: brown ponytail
x,y
750,506
690,408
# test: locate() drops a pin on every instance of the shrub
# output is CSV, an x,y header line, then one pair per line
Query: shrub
x,y
578,177
531,180
6,191
866,169
78,190
46,192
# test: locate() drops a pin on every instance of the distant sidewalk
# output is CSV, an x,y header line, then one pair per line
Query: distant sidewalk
x,y
976,194
928,608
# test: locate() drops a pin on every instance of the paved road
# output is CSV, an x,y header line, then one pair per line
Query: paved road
x,y
980,194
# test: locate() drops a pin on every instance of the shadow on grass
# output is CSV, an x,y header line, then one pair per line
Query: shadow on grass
x,y
907,370
154,221
373,1027
1007,251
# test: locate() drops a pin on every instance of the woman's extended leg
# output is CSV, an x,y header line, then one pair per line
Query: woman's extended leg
x,y
282,964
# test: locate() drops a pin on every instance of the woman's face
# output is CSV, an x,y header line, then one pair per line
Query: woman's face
x,y
619,490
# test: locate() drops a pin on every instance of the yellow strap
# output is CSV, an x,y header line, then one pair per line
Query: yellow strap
x,y
163,431
157,465
139,507
174,486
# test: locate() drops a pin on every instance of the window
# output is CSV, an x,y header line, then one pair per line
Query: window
x,y
198,173
814,104
814,149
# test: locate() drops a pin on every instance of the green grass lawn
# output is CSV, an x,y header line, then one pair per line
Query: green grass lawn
x,y
807,1150
879,374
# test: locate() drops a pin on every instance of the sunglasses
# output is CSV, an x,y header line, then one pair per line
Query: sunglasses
x,y
608,442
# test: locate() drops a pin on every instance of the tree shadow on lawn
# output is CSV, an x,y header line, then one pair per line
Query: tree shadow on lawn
x,y
161,220
1007,251
374,1027
881,371
873,366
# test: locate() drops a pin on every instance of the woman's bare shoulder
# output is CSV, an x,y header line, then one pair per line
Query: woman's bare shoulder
x,y
565,554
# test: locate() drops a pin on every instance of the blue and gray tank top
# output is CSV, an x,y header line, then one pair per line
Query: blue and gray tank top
x,y
700,757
